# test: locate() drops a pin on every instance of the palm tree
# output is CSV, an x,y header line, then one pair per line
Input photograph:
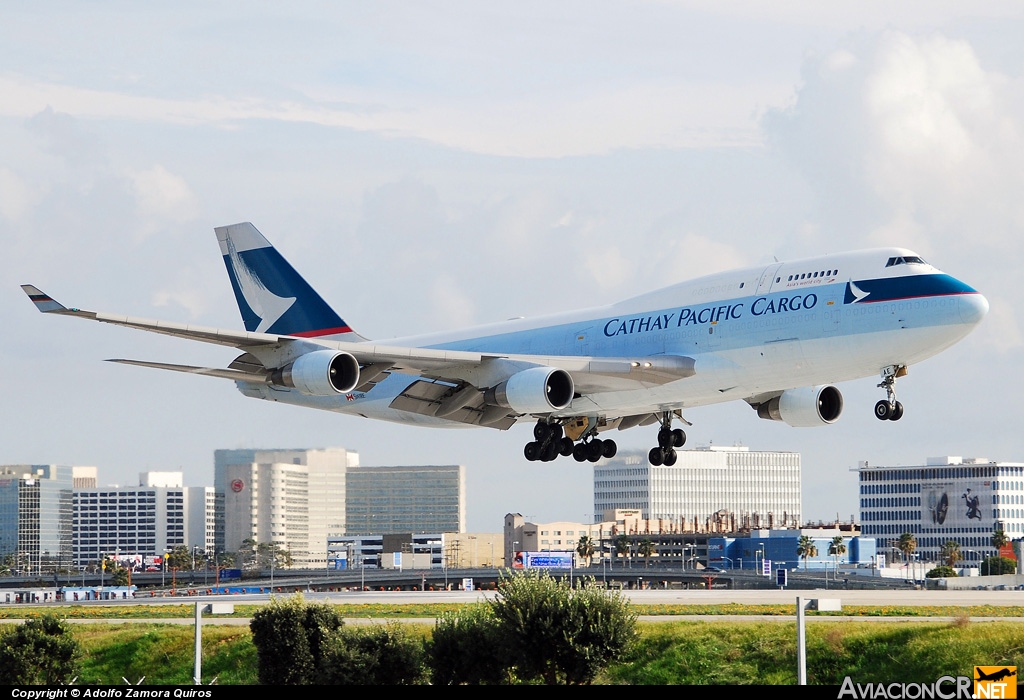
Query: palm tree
x,y
999,540
907,545
646,549
621,545
805,548
951,552
585,548
836,549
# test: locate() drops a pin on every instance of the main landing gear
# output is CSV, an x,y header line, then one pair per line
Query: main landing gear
x,y
890,408
668,440
551,442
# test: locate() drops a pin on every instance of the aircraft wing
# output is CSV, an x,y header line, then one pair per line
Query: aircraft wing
x,y
590,374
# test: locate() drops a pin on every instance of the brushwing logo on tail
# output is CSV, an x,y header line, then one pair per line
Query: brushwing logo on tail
x,y
264,303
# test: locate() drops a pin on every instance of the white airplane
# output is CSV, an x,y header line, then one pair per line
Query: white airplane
x,y
775,336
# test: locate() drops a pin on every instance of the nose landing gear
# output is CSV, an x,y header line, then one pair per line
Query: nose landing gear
x,y
668,440
890,408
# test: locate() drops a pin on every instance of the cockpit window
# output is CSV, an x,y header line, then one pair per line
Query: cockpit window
x,y
905,260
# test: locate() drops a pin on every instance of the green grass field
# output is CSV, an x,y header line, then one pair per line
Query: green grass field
x,y
431,610
711,653
683,652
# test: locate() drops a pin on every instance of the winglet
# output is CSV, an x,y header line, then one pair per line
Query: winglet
x,y
43,301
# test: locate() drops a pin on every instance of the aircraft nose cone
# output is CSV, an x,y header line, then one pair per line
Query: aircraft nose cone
x,y
973,308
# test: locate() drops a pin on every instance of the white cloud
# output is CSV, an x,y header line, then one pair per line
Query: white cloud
x,y
450,306
695,255
16,197
598,119
163,195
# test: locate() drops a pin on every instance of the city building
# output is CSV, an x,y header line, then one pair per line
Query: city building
x,y
521,535
779,547
295,498
36,515
381,500
758,487
141,522
463,550
959,499
84,477
201,524
394,551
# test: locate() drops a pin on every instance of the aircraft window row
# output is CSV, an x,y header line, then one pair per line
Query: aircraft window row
x,y
811,275
905,260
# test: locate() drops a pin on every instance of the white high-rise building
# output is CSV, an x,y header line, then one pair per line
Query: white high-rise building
x,y
295,498
142,521
963,499
764,486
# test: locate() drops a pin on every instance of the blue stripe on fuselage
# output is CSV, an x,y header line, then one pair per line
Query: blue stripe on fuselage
x,y
910,287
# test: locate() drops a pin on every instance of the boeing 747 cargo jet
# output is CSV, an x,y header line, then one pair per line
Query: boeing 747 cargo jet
x,y
775,336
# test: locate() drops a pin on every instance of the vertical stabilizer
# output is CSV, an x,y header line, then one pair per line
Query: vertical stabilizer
x,y
271,295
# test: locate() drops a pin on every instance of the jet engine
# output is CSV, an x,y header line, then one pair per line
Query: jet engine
x,y
320,373
534,390
806,407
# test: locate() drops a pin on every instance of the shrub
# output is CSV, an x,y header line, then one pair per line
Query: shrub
x,y
41,651
537,628
467,647
376,655
942,572
993,566
290,637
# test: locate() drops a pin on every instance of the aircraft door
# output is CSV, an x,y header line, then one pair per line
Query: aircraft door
x,y
831,312
768,278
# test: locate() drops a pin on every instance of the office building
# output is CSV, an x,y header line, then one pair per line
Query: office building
x,y
36,515
384,500
394,551
753,485
295,498
963,499
141,522
84,477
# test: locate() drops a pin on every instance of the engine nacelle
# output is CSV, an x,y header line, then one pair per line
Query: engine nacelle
x,y
807,407
320,373
534,390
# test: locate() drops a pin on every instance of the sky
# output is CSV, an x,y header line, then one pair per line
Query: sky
x,y
428,166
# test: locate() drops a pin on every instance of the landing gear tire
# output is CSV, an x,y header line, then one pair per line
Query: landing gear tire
x,y
565,447
594,450
666,438
550,452
656,456
609,449
541,431
579,452
884,410
897,411
678,437
670,457
532,451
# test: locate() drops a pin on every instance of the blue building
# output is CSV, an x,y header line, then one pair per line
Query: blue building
x,y
780,547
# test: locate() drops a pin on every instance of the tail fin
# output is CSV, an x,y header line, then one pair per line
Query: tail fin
x,y
271,295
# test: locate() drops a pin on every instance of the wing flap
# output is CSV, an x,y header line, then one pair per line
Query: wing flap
x,y
234,374
425,397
